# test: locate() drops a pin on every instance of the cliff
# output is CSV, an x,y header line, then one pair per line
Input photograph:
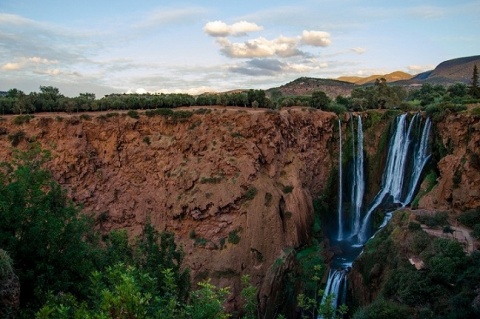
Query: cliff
x,y
235,187
457,145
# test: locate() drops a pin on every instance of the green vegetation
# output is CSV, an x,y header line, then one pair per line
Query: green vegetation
x,y
251,193
21,119
133,114
16,138
233,237
471,218
211,180
66,271
287,189
445,288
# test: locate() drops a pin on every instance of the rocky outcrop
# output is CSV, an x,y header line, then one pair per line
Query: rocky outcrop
x,y
235,187
457,140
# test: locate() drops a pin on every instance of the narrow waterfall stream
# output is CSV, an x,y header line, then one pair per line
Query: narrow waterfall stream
x,y
408,152
340,184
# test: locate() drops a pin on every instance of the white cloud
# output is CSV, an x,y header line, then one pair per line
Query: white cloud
x,y
39,60
221,29
316,38
24,62
359,50
276,67
10,66
260,48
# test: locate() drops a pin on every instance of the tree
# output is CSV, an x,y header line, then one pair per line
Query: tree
x,y
320,100
50,242
474,89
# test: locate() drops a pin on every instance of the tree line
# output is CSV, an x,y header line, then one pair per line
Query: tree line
x,y
379,95
49,99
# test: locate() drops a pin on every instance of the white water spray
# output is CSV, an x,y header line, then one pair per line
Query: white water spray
x,y
340,186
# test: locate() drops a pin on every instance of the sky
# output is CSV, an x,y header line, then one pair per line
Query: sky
x,y
104,47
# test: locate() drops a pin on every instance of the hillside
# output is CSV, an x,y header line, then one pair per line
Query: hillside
x,y
390,77
305,86
448,72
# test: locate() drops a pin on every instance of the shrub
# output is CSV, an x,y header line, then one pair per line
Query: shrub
x,y
470,217
16,138
233,237
146,140
21,119
85,117
211,180
251,193
287,189
133,114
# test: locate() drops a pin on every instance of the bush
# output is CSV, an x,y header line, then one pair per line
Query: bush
x,y
470,217
85,117
383,309
133,114
287,189
16,138
21,119
233,237
251,193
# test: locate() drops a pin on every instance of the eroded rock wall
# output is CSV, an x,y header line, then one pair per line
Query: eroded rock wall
x,y
457,139
235,187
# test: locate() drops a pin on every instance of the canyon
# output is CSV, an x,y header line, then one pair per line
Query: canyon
x,y
235,186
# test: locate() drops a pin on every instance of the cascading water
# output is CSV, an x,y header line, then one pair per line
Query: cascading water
x,y
358,178
340,186
396,168
407,156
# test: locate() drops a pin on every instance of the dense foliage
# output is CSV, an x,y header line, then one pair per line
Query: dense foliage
x,y
65,271
447,287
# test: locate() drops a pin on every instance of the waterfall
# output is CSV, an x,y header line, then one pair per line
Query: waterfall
x,y
396,168
407,156
421,158
340,186
358,178
337,287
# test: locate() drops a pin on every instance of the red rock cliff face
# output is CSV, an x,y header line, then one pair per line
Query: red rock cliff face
x,y
245,175
458,186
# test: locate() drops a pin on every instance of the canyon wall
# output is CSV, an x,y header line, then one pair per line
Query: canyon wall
x,y
456,141
235,186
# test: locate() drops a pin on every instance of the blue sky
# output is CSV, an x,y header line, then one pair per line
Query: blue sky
x,y
175,46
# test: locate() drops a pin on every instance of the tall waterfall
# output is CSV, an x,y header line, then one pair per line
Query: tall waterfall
x,y
408,153
358,185
396,169
340,184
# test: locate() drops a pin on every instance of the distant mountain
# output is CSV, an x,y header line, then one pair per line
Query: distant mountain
x,y
448,72
305,86
390,77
